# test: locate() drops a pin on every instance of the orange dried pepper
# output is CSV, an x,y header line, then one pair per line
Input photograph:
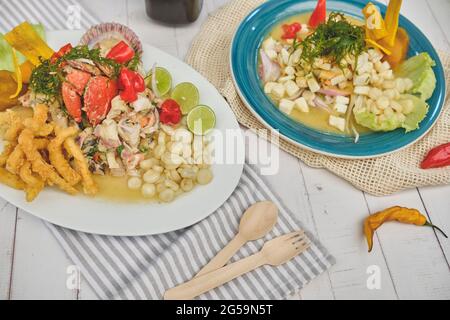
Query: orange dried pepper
x,y
403,215
391,20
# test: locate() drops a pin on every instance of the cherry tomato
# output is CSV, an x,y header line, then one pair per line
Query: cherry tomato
x,y
170,113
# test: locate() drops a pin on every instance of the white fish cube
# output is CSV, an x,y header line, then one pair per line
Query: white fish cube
x,y
362,90
337,80
342,100
290,71
302,105
269,87
272,54
291,88
284,56
287,106
362,80
337,122
312,83
340,108
278,91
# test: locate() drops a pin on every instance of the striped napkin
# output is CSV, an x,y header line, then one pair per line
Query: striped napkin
x,y
145,267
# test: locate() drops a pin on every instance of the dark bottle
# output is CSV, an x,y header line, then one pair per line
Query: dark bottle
x,y
174,11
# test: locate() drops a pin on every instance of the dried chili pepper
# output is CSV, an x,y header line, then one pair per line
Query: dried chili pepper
x,y
438,157
403,215
61,52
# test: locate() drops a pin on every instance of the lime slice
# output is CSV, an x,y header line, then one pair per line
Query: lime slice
x,y
163,81
187,96
201,119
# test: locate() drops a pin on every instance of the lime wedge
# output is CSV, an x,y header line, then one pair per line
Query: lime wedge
x,y
187,96
201,119
163,80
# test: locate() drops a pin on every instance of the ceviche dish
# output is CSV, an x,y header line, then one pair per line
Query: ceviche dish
x,y
338,74
90,119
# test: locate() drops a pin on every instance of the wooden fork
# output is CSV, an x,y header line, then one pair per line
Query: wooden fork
x,y
275,253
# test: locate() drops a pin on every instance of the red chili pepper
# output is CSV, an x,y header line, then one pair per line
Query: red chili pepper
x,y
61,52
130,83
438,157
170,113
319,15
291,30
121,53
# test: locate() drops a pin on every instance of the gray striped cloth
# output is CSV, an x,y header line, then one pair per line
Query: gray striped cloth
x,y
145,267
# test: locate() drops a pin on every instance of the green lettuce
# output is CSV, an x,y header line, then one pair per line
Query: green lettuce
x,y
419,70
6,52
419,112
409,123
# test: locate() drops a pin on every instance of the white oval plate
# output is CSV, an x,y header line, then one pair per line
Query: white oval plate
x,y
99,216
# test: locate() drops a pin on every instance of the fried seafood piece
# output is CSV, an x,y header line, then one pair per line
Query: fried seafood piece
x,y
34,185
15,127
57,158
39,166
11,180
15,160
41,143
38,124
9,148
89,185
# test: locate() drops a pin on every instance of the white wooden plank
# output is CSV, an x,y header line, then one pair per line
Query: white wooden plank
x,y
437,204
338,211
419,12
8,215
441,10
106,11
150,31
415,259
40,264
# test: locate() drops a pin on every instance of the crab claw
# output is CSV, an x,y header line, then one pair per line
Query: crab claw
x,y
97,98
72,101
78,79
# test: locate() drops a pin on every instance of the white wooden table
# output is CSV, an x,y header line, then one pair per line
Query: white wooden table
x,y
413,261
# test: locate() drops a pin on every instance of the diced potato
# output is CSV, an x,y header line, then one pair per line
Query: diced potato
x,y
365,68
342,100
362,90
308,95
340,108
287,106
286,78
278,91
291,88
387,74
312,83
338,79
337,122
269,87
302,105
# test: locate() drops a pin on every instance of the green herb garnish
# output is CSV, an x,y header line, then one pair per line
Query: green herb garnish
x,y
134,63
334,39
48,78
120,150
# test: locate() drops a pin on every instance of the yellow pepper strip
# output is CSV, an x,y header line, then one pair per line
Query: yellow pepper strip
x,y
392,19
374,22
377,45
27,41
26,68
17,76
403,215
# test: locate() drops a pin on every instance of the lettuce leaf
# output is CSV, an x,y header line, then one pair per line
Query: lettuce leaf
x,y
411,122
6,53
419,70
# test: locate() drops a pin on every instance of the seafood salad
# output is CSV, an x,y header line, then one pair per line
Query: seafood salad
x,y
337,74
91,112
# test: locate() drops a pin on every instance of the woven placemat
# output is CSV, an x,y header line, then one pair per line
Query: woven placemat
x,y
209,55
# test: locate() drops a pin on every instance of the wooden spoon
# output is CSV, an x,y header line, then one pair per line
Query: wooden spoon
x,y
275,253
256,222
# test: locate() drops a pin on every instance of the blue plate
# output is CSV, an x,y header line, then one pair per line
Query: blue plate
x,y
244,59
